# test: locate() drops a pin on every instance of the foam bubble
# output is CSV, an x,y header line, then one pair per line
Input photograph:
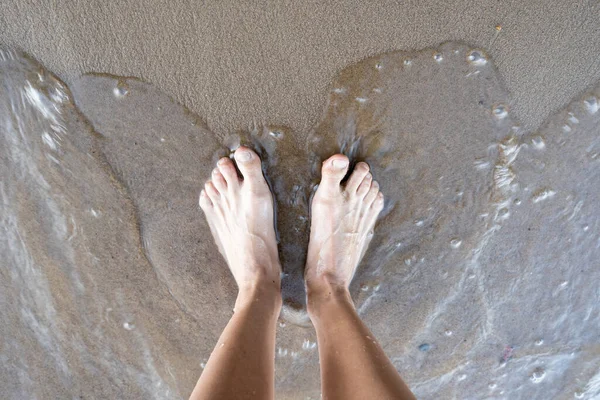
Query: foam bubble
x,y
476,57
500,111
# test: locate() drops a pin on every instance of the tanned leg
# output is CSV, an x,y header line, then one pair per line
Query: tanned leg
x,y
353,365
239,212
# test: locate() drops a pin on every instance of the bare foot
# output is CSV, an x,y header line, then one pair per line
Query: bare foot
x,y
240,216
343,218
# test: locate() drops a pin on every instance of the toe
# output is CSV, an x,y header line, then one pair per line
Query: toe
x,y
212,192
378,203
364,186
333,171
360,171
249,165
372,193
375,209
204,201
219,181
228,172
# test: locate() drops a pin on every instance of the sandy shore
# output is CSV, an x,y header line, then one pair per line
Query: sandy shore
x,y
524,295
234,62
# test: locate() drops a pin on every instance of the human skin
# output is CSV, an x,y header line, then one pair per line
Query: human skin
x,y
239,212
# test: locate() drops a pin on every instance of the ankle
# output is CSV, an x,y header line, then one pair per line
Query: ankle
x,y
266,295
325,296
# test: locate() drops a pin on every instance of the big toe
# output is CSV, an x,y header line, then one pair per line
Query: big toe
x,y
248,163
333,171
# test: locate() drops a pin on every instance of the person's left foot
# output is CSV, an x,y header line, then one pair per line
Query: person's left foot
x,y
240,216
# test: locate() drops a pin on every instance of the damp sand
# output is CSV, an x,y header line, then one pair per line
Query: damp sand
x,y
479,281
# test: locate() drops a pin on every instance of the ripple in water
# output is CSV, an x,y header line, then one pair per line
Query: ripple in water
x,y
475,234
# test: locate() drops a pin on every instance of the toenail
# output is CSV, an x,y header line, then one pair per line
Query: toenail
x,y
215,171
339,164
222,161
243,155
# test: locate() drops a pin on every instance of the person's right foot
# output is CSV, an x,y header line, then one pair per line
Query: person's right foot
x,y
343,218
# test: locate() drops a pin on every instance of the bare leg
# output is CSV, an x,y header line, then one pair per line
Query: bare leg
x,y
353,365
240,216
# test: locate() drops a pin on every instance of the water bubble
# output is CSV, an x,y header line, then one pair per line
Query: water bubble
x,y
538,375
128,326
121,90
438,57
276,134
281,324
566,128
364,287
424,347
542,195
202,365
462,377
419,221
448,332
58,95
503,213
539,342
572,118
579,394
591,104
307,344
475,57
538,142
282,352
378,65
361,99
586,228
162,139
407,62
339,90
500,111
517,201
455,243
482,163
492,385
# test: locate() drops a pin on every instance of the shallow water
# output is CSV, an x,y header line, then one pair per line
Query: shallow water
x,y
479,282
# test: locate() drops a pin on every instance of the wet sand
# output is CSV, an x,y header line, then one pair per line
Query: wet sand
x,y
451,263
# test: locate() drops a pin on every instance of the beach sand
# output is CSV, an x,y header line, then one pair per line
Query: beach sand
x,y
479,279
